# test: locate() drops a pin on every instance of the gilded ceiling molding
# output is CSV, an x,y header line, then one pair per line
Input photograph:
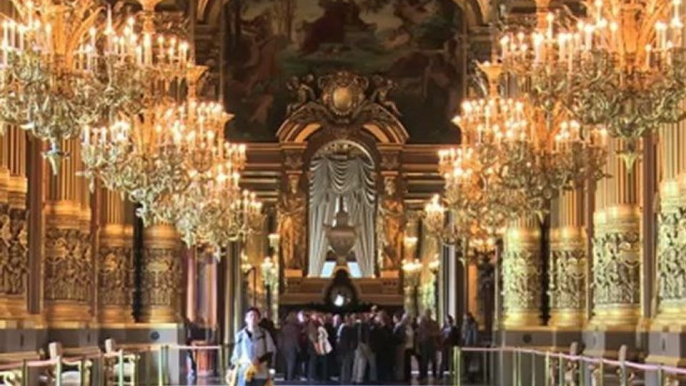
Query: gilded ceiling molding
x,y
342,104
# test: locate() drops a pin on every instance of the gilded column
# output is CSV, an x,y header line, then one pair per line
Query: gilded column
x,y
411,279
671,246
568,259
68,266
13,227
521,275
162,278
430,255
617,243
115,256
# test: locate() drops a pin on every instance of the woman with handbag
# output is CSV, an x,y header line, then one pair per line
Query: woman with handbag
x,y
252,354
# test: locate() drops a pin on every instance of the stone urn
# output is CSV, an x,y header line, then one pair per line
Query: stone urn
x,y
341,236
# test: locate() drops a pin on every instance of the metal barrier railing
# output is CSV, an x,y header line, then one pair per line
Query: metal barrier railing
x,y
528,367
18,373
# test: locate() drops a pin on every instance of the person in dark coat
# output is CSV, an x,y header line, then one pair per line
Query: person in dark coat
x,y
399,344
289,343
450,337
470,338
346,344
428,334
381,336
332,324
189,329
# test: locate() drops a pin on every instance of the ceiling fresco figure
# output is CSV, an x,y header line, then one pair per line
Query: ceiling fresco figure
x,y
411,43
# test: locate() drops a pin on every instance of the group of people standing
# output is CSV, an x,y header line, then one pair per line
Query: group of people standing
x,y
370,347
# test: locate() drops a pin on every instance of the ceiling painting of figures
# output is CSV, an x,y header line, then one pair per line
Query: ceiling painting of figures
x,y
412,42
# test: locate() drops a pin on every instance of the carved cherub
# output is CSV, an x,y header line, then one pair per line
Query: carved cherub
x,y
302,90
382,88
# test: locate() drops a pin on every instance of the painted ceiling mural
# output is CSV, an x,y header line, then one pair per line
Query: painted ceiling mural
x,y
413,42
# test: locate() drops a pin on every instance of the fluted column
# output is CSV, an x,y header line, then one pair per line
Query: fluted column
x,y
115,257
617,243
671,247
162,277
68,264
13,227
568,259
521,274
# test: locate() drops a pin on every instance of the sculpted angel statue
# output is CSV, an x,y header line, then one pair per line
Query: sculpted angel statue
x,y
383,87
301,90
292,224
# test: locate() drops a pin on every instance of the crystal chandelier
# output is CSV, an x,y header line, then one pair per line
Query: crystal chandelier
x,y
157,156
234,220
622,66
52,81
62,69
435,216
527,150
481,205
208,200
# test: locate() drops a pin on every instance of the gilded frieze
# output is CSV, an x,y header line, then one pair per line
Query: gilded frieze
x,y
15,250
570,279
162,279
68,265
616,267
521,280
671,252
116,276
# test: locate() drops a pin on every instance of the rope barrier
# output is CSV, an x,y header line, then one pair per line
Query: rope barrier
x,y
194,348
590,360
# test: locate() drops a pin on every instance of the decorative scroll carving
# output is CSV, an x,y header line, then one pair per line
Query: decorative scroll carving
x,y
391,223
68,265
292,224
293,160
390,161
521,280
116,276
616,264
568,279
671,254
161,278
341,100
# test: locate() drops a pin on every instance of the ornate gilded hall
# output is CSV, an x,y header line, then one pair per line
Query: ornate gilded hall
x,y
254,192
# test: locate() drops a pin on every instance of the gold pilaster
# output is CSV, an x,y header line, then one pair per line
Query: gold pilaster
x,y
671,246
162,280
409,255
13,229
68,265
115,257
522,274
617,245
568,259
